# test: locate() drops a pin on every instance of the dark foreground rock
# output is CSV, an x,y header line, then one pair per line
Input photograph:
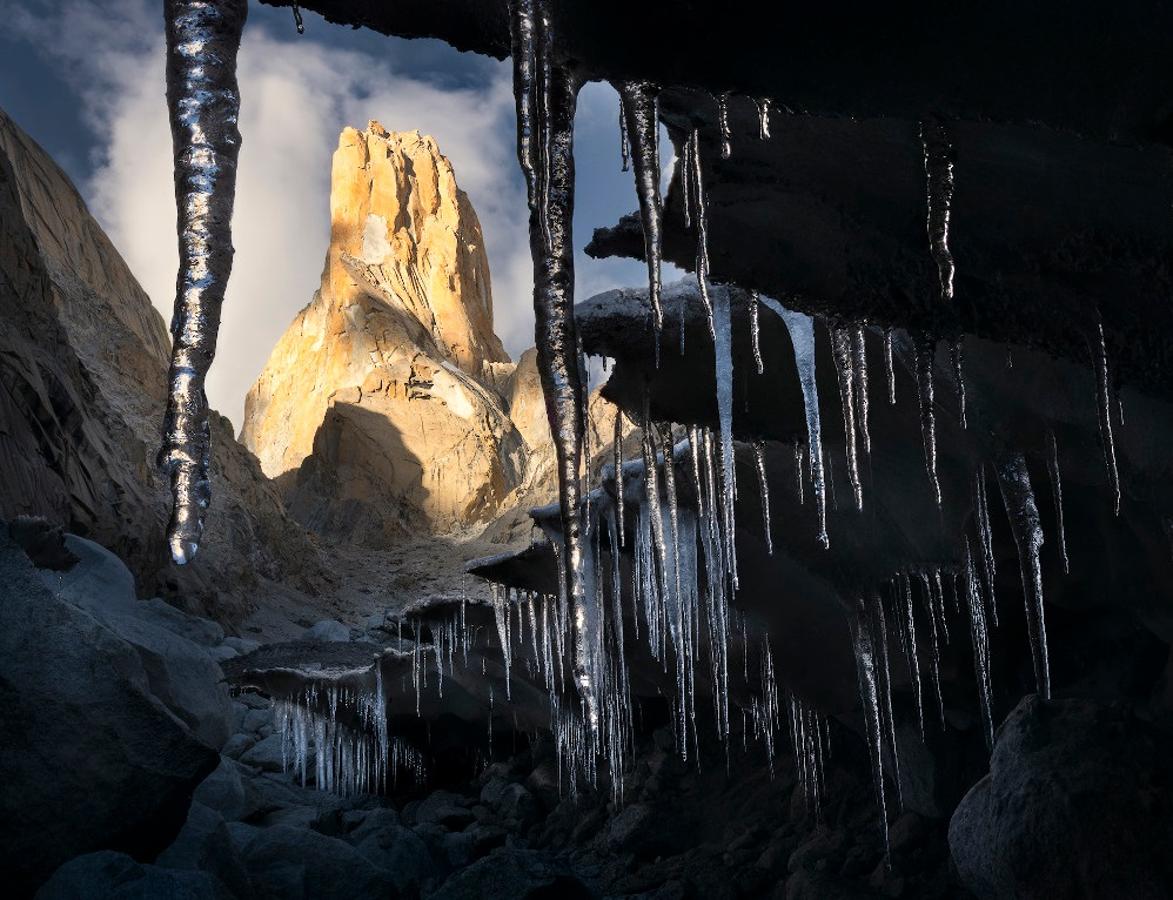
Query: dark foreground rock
x,y
92,759
1076,805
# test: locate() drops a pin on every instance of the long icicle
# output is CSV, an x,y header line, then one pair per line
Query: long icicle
x,y
862,640
723,351
617,460
859,381
980,638
925,351
1104,405
203,102
759,457
841,347
1057,497
1023,512
640,114
546,94
802,338
700,216
938,159
986,541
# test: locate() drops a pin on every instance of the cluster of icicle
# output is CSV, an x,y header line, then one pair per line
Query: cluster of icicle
x,y
346,760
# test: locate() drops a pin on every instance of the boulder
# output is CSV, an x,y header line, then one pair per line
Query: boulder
x,y
1076,804
327,630
93,760
286,863
115,876
204,845
513,874
181,673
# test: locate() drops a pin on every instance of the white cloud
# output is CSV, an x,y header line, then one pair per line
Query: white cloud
x,y
296,97
297,94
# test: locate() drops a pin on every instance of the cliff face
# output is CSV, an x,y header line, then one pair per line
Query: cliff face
x,y
83,363
384,407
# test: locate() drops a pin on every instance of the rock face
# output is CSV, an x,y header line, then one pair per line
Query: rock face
x,y
379,410
83,362
93,759
1075,805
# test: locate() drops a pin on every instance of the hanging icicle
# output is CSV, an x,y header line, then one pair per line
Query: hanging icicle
x,y
1023,512
723,351
759,456
980,639
866,667
624,144
957,354
859,382
755,338
617,461
700,215
986,541
763,105
1104,405
925,351
546,95
640,113
203,102
939,158
723,124
841,349
802,338
1057,497
889,369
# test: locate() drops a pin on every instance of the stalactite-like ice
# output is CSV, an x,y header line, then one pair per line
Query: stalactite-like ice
x,y
723,124
700,215
723,348
859,381
763,105
841,348
956,352
759,455
938,159
926,350
639,112
203,103
986,541
1023,513
755,336
902,595
546,95
1057,497
617,462
979,637
866,667
1104,406
889,370
802,337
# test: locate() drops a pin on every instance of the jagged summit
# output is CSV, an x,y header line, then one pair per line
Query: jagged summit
x,y
385,406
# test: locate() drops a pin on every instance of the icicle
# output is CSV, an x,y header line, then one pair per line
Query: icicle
x,y
546,95
673,510
652,499
934,639
903,595
759,456
640,113
859,380
755,331
624,146
1104,404
298,23
1057,496
203,101
701,216
723,350
889,369
802,337
763,104
1019,499
979,636
939,158
866,667
617,460
925,351
986,541
959,376
799,459
723,124
841,348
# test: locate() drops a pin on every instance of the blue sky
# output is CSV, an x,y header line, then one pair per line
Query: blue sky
x,y
85,79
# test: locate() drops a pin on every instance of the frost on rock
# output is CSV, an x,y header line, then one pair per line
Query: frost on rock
x,y
1023,513
546,95
938,159
642,129
203,103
